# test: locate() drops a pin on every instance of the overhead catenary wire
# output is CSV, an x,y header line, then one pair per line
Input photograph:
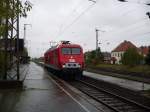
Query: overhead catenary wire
x,y
129,11
77,18
130,27
142,34
71,13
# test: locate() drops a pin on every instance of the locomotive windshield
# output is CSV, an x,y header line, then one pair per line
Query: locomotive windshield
x,y
71,50
75,50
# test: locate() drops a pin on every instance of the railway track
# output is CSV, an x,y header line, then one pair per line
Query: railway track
x,y
114,102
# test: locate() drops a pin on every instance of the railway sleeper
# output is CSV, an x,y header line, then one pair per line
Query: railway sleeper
x,y
107,99
111,103
101,97
136,110
129,109
94,91
122,109
98,94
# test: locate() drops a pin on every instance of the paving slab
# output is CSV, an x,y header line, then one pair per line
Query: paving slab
x,y
40,94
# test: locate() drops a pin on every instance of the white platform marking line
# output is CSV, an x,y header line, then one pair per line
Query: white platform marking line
x,y
69,95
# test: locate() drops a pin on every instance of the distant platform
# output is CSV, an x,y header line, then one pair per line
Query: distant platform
x,y
125,83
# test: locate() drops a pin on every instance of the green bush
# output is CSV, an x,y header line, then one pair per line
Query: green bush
x,y
131,57
93,57
147,59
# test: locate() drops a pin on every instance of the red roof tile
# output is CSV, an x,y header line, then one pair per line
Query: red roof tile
x,y
124,46
144,50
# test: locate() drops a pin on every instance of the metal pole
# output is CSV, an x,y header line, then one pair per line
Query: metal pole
x,y
18,77
96,38
25,30
6,52
6,44
24,37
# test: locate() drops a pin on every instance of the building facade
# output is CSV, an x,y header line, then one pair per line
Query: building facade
x,y
118,52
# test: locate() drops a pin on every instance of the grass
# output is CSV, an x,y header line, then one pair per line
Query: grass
x,y
146,93
139,68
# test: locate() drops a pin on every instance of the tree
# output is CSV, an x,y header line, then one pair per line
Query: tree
x,y
147,59
10,9
131,57
93,57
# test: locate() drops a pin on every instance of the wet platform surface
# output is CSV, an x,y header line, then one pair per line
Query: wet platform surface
x,y
133,85
40,94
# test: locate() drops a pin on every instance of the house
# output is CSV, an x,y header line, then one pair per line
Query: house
x,y
118,52
144,50
107,57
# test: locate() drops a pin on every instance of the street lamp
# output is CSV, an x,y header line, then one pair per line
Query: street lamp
x,y
25,30
24,37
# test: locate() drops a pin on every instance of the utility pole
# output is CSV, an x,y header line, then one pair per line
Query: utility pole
x,y
18,60
96,38
24,37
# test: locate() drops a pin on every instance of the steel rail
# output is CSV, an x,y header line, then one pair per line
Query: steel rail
x,y
126,102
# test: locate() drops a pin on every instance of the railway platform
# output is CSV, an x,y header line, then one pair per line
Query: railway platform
x,y
12,81
125,83
42,94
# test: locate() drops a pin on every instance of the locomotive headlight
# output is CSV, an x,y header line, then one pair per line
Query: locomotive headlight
x,y
63,65
79,65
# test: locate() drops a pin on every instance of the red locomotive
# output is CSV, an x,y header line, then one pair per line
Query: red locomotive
x,y
66,59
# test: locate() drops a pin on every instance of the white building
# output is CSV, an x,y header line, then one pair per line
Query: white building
x,y
118,52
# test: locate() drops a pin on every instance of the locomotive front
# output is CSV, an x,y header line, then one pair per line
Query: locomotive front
x,y
71,59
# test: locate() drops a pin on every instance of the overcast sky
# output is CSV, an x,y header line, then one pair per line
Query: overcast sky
x,y
76,20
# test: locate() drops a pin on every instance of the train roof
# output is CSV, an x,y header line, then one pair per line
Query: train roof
x,y
63,44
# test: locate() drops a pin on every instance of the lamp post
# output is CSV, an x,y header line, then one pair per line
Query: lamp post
x,y
24,37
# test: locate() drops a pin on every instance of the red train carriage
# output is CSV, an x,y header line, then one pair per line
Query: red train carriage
x,y
65,58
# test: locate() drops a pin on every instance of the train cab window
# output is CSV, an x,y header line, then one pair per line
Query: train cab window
x,y
76,50
48,59
66,51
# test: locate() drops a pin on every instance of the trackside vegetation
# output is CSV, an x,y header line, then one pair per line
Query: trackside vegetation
x,y
131,62
147,59
9,9
93,57
131,58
